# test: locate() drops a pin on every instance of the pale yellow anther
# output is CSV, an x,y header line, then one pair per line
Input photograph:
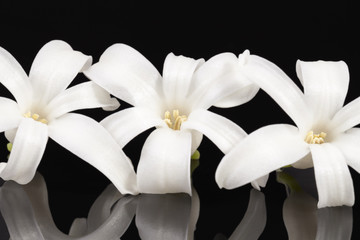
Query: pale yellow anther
x,y
174,121
28,114
312,138
36,117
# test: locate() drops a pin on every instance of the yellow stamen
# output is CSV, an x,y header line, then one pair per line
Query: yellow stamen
x,y
36,117
174,121
312,138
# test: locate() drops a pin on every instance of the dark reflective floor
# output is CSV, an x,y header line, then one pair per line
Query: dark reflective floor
x,y
245,213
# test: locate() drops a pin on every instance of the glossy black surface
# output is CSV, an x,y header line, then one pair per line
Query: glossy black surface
x,y
281,32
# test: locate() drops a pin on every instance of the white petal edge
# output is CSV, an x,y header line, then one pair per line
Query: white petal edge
x,y
128,123
347,117
164,165
218,70
261,152
88,140
82,96
54,68
280,87
333,179
178,73
260,182
253,223
349,144
224,133
128,75
14,78
325,86
28,148
11,116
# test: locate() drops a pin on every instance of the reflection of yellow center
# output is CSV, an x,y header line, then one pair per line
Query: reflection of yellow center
x,y
36,117
312,138
174,121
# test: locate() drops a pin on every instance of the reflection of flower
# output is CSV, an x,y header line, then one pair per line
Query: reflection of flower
x,y
253,223
323,139
303,220
26,211
42,110
176,103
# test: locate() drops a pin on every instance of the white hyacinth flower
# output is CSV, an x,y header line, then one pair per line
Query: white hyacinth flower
x,y
176,104
42,110
324,137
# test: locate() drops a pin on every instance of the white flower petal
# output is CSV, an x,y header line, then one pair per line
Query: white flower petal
x,y
334,223
347,117
177,77
10,134
333,179
27,151
222,71
325,86
128,123
14,78
260,182
349,144
253,223
163,217
11,116
82,96
16,209
224,133
54,67
164,165
263,151
88,140
280,87
128,75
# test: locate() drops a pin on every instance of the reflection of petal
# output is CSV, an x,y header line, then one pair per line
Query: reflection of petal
x,y
299,215
163,216
17,212
101,208
334,223
194,214
254,220
27,214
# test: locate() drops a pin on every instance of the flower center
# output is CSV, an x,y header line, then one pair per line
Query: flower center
x,y
36,117
312,138
174,121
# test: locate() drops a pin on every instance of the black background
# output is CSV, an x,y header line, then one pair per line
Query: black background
x,y
276,30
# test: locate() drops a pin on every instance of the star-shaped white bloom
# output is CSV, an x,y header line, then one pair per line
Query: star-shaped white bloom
x,y
42,110
324,137
175,103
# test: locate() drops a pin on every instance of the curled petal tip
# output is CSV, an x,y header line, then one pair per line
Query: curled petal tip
x,y
244,57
